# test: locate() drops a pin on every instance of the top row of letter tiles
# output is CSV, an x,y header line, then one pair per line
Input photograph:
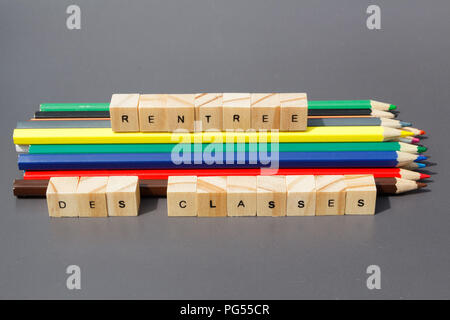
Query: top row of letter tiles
x,y
208,112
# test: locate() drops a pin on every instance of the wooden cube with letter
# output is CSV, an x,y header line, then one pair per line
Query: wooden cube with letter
x,y
293,111
153,113
236,111
209,111
91,197
301,195
122,196
271,196
212,196
123,110
361,194
181,196
241,196
180,112
330,196
265,110
61,197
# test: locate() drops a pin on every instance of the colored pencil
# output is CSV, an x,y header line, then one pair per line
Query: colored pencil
x,y
67,119
341,159
309,117
158,188
83,106
168,147
350,104
71,114
312,104
38,188
351,112
410,139
417,132
164,174
311,112
414,165
315,122
30,188
22,148
106,135
397,185
52,124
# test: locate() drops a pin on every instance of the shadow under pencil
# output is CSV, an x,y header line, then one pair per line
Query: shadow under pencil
x,y
383,204
148,205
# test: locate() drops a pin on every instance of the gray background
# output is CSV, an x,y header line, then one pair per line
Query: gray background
x,y
321,47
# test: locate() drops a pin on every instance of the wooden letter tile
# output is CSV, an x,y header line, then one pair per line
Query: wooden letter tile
x,y
265,111
208,111
61,197
330,196
301,195
181,196
236,111
122,196
293,111
91,196
180,112
241,196
212,196
153,113
361,194
271,196
123,110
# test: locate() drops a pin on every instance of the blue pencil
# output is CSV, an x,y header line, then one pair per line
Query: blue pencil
x,y
343,159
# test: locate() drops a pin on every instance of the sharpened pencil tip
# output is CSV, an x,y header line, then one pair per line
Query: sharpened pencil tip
x,y
415,140
405,133
424,176
421,149
421,158
405,124
392,107
422,132
421,165
421,185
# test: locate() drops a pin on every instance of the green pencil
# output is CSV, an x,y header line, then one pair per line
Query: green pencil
x,y
282,147
88,106
312,104
350,104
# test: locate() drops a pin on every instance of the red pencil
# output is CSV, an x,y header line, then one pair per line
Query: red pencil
x,y
163,174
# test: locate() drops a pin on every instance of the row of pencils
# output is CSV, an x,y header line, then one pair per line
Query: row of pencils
x,y
343,137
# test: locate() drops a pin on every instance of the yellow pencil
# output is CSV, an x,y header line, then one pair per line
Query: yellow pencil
x,y
106,135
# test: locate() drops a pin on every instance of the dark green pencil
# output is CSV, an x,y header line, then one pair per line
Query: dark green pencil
x,y
312,104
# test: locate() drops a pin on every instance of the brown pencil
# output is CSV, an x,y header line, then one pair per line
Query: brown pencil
x,y
397,185
37,188
158,188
